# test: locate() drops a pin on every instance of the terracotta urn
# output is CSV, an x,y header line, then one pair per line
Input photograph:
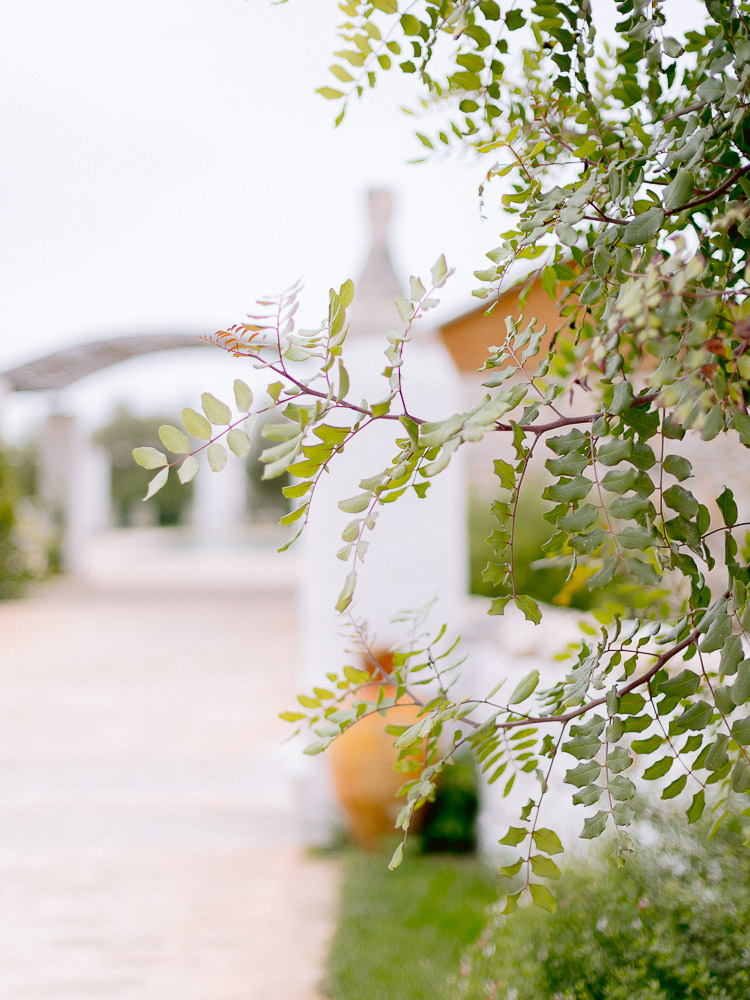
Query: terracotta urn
x,y
362,761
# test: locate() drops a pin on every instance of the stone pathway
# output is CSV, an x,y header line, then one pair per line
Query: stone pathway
x,y
148,842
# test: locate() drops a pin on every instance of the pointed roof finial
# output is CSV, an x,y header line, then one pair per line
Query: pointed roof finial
x,y
380,202
373,311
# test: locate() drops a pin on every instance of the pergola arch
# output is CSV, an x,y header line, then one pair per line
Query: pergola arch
x,y
60,369
71,476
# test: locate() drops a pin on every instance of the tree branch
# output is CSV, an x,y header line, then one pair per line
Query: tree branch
x,y
643,678
710,195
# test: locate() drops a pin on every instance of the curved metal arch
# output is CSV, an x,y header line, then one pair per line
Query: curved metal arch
x,y
62,368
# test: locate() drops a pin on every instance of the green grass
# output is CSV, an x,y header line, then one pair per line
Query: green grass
x,y
401,934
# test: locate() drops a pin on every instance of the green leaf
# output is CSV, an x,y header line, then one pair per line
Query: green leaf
x,y
565,492
741,687
216,411
682,686
544,867
695,810
594,826
347,592
294,515
631,703
511,902
530,608
542,897
731,654
340,73
602,261
647,745
643,228
243,396
329,93
589,795
679,499
188,469
509,871
618,759
547,841
584,773
720,629
343,380
583,747
741,731
524,688
581,519
439,271
626,508
605,576
216,454
614,451
515,836
644,572
549,281
239,442
741,775
622,398
196,424
696,717
159,480
591,292
505,473
680,190
356,676
149,458
717,755
355,505
741,423
678,467
714,423
620,480
174,440
658,769
727,506
635,537
292,716
621,788
671,791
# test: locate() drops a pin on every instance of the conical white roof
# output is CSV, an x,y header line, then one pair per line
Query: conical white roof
x,y
372,312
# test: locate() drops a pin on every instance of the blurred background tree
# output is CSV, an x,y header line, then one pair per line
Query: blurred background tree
x,y
27,539
124,432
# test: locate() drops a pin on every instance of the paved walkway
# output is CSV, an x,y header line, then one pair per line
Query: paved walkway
x,y
148,846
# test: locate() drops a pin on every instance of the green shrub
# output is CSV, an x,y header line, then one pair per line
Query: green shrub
x,y
674,924
25,536
532,531
124,432
448,821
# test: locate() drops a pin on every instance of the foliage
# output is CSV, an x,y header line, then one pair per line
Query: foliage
x,y
25,537
124,431
623,171
674,924
431,908
533,575
448,821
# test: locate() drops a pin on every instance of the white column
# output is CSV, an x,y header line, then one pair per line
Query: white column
x,y
219,503
74,484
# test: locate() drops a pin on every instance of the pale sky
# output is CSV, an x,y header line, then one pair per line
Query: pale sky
x,y
165,162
